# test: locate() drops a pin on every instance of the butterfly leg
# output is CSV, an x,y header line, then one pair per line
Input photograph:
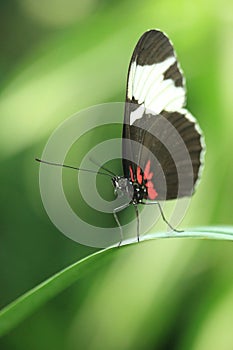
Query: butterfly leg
x,y
163,216
115,210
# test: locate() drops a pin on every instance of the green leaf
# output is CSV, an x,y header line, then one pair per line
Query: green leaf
x,y
25,305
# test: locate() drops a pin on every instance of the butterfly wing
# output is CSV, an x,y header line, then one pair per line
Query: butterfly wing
x,y
159,135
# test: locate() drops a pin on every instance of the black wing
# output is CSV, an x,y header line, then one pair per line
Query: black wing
x,y
157,129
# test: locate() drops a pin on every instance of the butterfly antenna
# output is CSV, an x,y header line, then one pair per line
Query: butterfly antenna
x,y
101,166
71,167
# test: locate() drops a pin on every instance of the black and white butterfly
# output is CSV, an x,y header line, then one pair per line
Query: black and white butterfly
x,y
163,144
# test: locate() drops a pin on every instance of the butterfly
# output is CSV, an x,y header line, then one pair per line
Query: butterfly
x,y
162,143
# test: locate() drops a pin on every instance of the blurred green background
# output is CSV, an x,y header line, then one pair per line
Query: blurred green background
x,y
57,57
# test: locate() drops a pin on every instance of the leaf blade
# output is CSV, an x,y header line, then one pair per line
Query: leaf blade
x,y
25,305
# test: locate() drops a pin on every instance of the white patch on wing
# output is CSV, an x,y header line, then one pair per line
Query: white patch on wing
x,y
168,97
147,85
137,114
148,76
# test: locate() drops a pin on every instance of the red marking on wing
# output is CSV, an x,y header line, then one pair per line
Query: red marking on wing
x,y
139,175
152,194
131,173
147,174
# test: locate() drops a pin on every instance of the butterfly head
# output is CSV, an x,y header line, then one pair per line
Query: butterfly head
x,y
122,187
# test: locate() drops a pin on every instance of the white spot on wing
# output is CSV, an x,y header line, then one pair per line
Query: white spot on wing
x,y
137,114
